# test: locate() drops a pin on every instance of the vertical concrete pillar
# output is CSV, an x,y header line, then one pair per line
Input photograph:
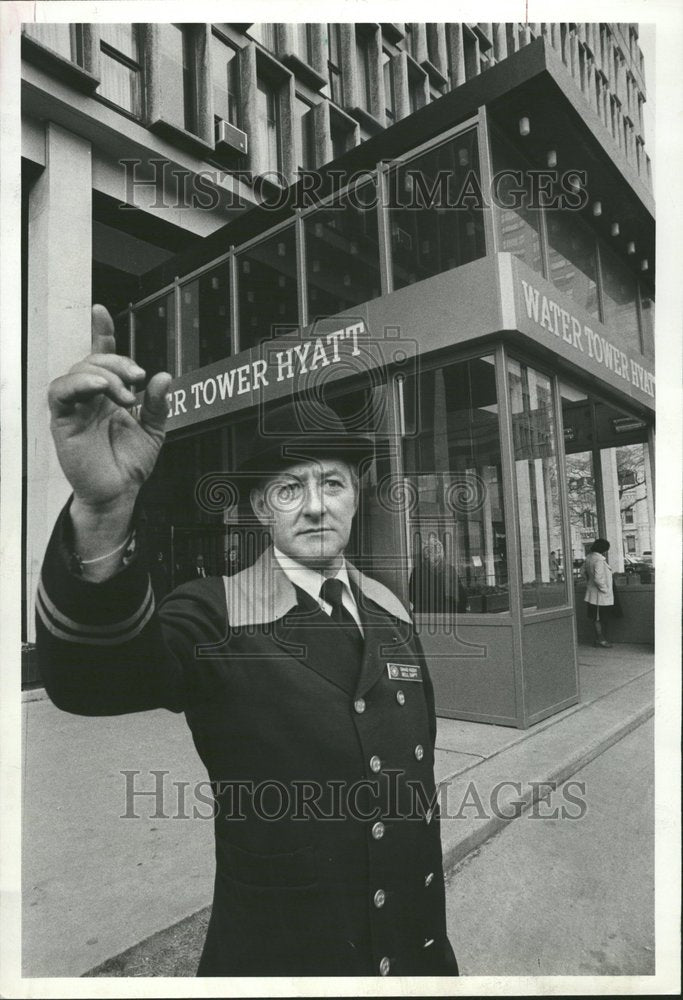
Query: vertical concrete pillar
x,y
610,492
59,302
500,45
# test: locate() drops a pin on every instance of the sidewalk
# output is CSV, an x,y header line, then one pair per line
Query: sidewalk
x,y
129,897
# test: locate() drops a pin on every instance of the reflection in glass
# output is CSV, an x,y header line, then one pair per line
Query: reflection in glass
x,y
435,225
342,254
629,514
205,318
579,474
571,257
453,470
267,290
155,336
619,286
518,225
537,482
65,39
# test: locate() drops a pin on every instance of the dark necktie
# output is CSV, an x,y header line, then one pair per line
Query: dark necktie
x,y
331,591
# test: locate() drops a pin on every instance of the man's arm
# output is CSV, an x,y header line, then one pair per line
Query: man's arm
x,y
104,648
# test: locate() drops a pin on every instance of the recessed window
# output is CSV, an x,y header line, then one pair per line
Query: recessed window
x,y
64,39
121,69
363,63
389,96
303,34
225,79
334,63
178,68
269,125
305,156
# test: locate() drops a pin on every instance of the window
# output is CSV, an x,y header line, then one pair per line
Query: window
x,y
304,42
433,226
571,258
416,94
334,63
342,254
121,70
363,65
269,125
177,47
155,336
205,318
64,39
411,40
265,34
389,97
628,516
340,139
630,541
537,483
452,462
305,157
268,298
225,74
518,225
619,286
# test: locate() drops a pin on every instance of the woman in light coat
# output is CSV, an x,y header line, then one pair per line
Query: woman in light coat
x,y
599,588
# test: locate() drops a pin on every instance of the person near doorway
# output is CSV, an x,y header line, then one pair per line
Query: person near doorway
x,y
198,571
599,589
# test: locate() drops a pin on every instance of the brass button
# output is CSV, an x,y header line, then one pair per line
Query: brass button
x,y
429,879
378,831
375,764
428,942
400,698
419,751
379,898
359,706
384,966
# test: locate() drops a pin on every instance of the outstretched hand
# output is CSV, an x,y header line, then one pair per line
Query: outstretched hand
x,y
105,448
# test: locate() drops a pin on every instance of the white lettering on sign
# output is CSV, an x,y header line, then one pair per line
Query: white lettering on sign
x,y
556,320
300,359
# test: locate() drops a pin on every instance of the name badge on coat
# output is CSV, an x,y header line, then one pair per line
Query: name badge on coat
x,y
404,672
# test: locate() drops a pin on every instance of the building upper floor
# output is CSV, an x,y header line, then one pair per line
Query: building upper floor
x,y
257,100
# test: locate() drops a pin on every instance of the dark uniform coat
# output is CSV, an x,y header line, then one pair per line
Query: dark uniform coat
x,y
328,855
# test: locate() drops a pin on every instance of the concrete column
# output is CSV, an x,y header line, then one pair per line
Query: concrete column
x,y
59,302
457,46
399,70
610,492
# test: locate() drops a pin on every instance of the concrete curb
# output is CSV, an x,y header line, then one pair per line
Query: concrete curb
x,y
455,852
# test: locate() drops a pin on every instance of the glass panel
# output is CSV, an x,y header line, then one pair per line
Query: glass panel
x,y
537,483
225,79
629,512
61,38
268,299
342,254
619,286
205,318
122,37
267,114
518,225
579,474
155,336
120,84
434,227
177,526
453,470
571,257
647,312
334,62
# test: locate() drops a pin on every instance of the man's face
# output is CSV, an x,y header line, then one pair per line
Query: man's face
x,y
309,509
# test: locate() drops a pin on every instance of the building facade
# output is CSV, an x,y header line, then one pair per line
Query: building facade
x,y
444,230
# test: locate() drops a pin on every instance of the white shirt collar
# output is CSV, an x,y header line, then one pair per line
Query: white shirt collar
x,y
311,581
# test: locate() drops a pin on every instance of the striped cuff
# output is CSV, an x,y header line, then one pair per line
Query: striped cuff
x,y
111,634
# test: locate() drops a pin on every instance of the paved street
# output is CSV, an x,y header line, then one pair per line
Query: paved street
x,y
566,897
